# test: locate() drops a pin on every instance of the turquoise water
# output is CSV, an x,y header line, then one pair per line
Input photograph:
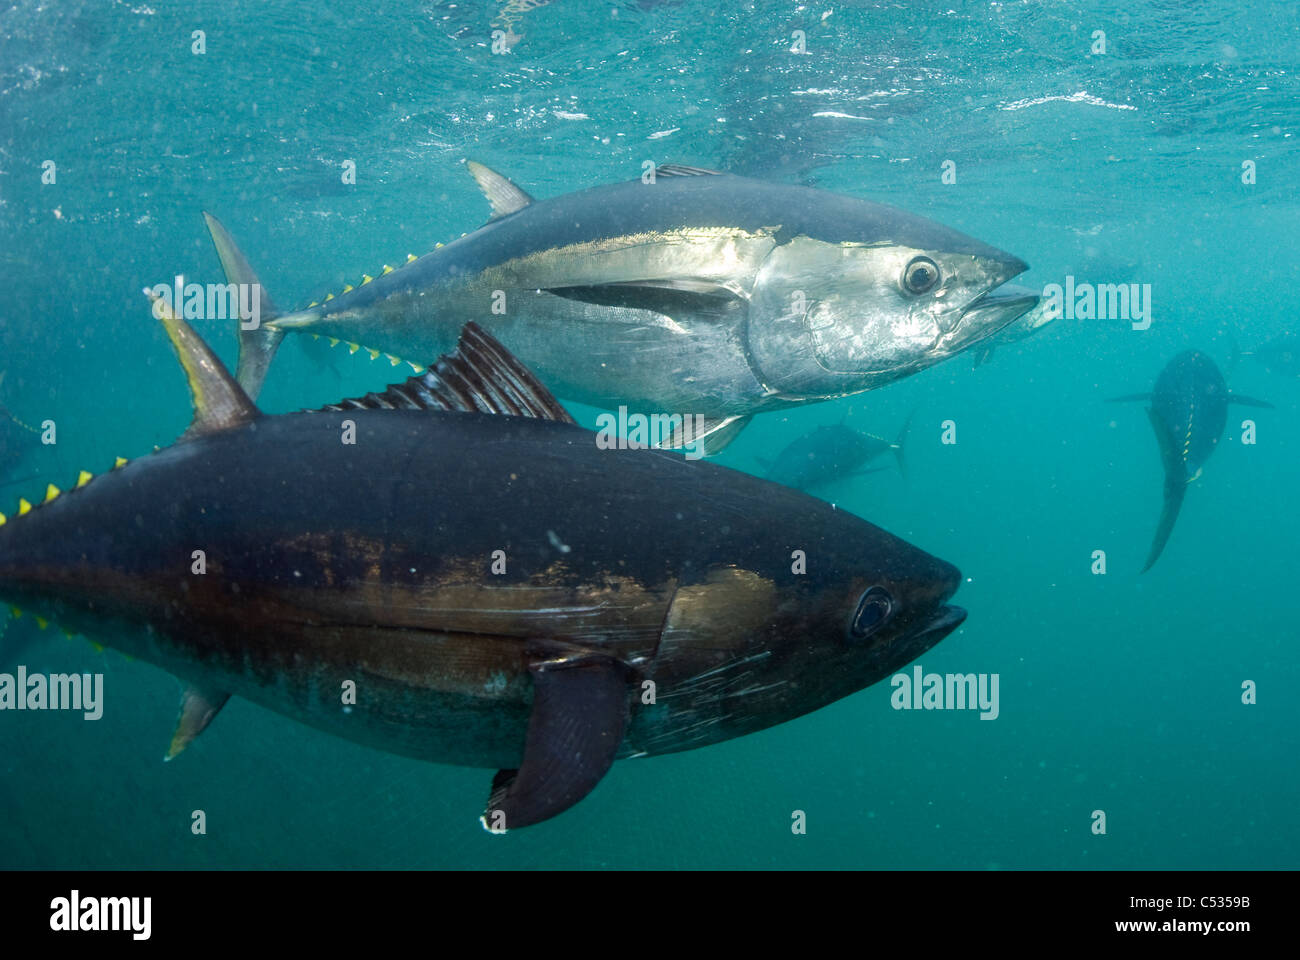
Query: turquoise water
x,y
1118,692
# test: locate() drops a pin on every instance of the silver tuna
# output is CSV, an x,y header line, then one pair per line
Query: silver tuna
x,y
698,293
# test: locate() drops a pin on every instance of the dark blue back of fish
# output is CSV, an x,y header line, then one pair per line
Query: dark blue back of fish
x,y
1191,399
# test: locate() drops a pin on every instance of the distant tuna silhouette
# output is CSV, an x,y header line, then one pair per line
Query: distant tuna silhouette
x,y
1189,410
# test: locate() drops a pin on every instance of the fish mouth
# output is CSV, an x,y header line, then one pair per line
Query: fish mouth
x,y
917,641
988,313
944,621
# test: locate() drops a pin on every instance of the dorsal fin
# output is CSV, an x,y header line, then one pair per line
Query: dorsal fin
x,y
682,170
479,376
219,402
504,196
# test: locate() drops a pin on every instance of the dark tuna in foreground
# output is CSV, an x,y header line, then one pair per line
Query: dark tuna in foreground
x,y
501,592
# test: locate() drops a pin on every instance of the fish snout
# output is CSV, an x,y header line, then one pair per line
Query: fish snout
x,y
941,581
925,595
1011,267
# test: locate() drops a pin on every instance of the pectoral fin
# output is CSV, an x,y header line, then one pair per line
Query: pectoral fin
x,y
682,170
1249,401
709,438
868,471
676,298
579,714
198,707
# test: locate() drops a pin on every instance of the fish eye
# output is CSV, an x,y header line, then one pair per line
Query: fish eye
x,y
873,610
920,275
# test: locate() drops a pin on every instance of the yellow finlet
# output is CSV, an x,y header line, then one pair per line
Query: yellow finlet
x,y
15,613
366,278
353,347
374,354
42,622
3,520
312,304
329,296
410,257
83,478
334,341
348,289
392,360
437,245
24,507
416,367
315,336
51,492
99,647
387,269
119,462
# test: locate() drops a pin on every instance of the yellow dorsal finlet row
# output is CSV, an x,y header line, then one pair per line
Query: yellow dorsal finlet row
x,y
25,507
365,278
52,493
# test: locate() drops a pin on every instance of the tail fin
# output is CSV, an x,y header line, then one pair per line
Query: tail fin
x,y
257,346
1175,489
901,440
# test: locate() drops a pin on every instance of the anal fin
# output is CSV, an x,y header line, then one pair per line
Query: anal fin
x,y
579,714
198,707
